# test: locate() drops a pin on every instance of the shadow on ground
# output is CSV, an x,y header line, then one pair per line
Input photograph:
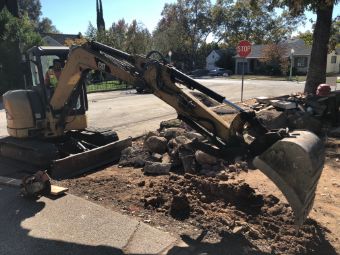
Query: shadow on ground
x,y
237,244
15,240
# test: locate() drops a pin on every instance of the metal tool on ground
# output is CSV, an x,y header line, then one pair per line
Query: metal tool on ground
x,y
55,122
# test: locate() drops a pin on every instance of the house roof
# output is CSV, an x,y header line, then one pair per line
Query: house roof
x,y
221,52
299,46
60,38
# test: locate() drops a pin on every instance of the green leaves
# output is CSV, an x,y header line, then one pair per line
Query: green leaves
x,y
256,21
18,30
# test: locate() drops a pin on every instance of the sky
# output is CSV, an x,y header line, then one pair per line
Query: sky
x,y
73,16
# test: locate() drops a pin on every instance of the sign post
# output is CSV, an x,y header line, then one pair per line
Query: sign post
x,y
243,49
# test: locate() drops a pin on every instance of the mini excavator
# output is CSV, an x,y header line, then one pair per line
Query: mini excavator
x,y
49,128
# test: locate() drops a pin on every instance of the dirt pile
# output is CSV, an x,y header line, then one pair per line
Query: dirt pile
x,y
232,207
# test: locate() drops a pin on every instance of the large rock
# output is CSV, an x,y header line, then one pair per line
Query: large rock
x,y
273,119
173,132
305,121
156,168
170,123
156,144
205,159
133,157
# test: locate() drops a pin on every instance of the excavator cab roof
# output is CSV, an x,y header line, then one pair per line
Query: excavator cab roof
x,y
49,50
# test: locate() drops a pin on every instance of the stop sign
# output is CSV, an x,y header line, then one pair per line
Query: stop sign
x,y
243,48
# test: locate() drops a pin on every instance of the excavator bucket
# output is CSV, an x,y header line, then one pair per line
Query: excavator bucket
x,y
295,164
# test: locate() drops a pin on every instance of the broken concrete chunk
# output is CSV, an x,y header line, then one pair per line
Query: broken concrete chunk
x,y
204,158
285,105
263,100
156,157
305,121
188,163
171,133
133,157
156,144
170,123
166,158
182,140
149,134
156,168
273,119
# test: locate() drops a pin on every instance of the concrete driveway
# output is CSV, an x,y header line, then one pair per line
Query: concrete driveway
x,y
132,114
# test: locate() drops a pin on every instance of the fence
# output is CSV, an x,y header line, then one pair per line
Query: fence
x,y
107,86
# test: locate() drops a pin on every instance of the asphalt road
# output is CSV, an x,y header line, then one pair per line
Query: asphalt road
x,y
133,114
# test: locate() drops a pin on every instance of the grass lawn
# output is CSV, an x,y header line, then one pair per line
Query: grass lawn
x,y
266,77
107,86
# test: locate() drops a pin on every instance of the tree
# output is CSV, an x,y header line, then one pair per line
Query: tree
x,y
32,8
133,38
119,30
275,56
243,20
321,35
184,26
91,32
45,26
100,17
307,37
334,41
16,36
138,39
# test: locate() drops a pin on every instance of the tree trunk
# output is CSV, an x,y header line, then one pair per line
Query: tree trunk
x,y
318,59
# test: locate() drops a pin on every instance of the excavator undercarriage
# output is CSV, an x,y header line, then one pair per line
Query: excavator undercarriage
x,y
56,135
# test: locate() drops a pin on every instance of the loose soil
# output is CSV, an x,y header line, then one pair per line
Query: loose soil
x,y
242,214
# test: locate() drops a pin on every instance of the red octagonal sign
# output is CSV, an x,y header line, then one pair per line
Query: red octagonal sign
x,y
243,48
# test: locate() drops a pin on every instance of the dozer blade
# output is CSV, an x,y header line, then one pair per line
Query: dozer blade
x,y
295,164
83,162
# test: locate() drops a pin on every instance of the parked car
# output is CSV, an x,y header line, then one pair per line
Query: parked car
x,y
220,72
199,72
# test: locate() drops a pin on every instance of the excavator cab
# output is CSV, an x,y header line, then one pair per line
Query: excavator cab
x,y
39,64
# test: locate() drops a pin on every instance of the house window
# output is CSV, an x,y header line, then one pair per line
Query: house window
x,y
301,61
333,59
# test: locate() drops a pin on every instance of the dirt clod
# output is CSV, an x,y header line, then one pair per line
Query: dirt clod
x,y
180,208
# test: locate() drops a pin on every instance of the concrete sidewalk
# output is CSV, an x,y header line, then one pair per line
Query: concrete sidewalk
x,y
72,225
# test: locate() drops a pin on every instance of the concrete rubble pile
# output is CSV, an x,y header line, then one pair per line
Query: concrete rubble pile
x,y
318,114
169,150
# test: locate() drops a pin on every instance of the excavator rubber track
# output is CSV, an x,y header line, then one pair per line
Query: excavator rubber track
x,y
74,154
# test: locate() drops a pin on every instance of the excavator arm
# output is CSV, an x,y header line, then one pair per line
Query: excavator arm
x,y
292,160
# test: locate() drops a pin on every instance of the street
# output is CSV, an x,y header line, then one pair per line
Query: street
x,y
132,114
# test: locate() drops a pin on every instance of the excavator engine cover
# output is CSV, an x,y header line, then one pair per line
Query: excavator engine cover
x,y
295,164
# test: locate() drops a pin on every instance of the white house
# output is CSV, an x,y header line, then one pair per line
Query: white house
x,y
214,56
333,61
296,48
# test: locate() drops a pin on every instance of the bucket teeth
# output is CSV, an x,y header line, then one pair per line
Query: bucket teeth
x,y
295,164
